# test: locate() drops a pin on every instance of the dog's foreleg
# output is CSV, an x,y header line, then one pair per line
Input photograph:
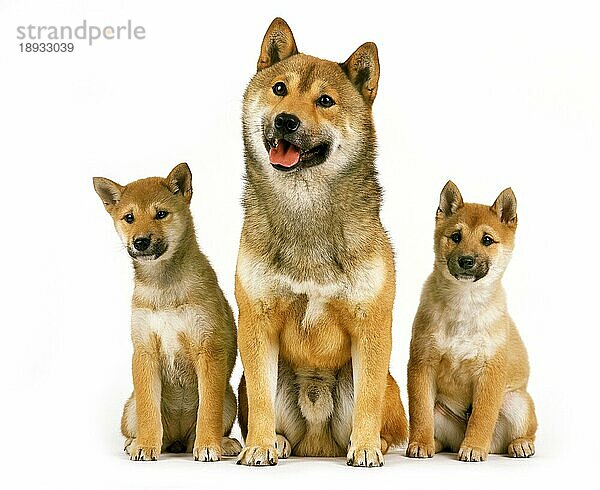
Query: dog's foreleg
x,y
488,393
421,402
211,393
147,391
259,350
371,339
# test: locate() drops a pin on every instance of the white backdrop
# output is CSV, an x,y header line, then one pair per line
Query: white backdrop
x,y
489,94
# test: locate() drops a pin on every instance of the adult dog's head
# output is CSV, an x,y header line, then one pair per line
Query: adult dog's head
x,y
304,116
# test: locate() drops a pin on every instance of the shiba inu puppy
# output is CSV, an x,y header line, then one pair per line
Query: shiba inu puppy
x,y
182,328
468,368
315,277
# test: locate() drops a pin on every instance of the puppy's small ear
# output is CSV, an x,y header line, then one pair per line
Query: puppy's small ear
x,y
505,207
450,201
109,191
278,44
180,181
362,68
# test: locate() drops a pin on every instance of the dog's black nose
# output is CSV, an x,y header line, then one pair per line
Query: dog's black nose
x,y
141,243
466,262
288,123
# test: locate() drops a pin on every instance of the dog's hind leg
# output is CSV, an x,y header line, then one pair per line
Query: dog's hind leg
x,y
394,427
515,430
449,430
283,446
290,425
129,424
343,402
229,445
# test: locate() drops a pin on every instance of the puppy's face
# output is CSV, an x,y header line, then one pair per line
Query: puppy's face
x,y
302,112
474,241
150,215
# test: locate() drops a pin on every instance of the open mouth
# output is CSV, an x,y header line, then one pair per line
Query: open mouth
x,y
286,156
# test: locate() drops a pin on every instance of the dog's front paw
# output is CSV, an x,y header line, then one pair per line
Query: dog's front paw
x,y
365,456
258,456
420,450
230,446
283,446
142,452
468,453
206,453
521,448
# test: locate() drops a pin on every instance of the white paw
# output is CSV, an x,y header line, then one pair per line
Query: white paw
x,y
521,448
207,453
419,450
365,456
142,452
258,456
473,454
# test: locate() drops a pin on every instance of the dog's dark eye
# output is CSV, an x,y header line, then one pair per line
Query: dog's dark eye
x,y
280,89
487,240
128,218
455,237
161,214
325,101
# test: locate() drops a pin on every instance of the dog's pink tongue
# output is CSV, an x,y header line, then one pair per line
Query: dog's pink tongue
x,y
285,154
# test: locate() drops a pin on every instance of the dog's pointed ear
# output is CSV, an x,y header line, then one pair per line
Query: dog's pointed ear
x,y
278,44
450,201
505,207
362,68
109,191
180,181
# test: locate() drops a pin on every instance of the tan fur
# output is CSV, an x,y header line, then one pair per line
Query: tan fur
x,y
315,278
468,368
183,330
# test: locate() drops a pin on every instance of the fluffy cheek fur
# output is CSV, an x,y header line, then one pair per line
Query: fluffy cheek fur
x,y
499,262
255,112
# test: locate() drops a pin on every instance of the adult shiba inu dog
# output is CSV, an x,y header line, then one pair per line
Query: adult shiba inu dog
x,y
315,276
182,328
468,368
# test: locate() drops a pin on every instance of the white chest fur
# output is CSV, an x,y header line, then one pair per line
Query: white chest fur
x,y
358,287
466,341
471,327
168,325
